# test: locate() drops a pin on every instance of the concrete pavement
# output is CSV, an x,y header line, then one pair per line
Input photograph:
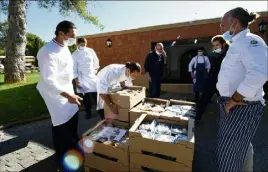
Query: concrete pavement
x,y
29,147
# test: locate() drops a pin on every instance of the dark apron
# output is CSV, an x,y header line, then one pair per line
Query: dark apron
x,y
201,74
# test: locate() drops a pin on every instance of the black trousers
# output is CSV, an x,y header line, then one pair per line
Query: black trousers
x,y
155,88
197,95
65,137
101,113
206,96
87,101
265,89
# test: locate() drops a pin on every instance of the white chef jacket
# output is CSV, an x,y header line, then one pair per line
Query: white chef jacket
x,y
244,68
108,77
85,64
56,75
200,59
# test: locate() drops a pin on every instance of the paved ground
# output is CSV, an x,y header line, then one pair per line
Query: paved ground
x,y
29,147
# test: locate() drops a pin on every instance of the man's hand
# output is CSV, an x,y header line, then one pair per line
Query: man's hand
x,y
149,77
192,75
230,104
96,71
74,99
113,109
77,83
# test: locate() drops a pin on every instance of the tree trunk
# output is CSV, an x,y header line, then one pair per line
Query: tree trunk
x,y
16,42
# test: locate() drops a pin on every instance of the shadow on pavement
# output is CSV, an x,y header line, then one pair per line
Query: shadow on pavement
x,y
46,165
40,135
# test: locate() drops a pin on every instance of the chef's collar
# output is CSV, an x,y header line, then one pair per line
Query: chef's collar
x,y
240,35
56,42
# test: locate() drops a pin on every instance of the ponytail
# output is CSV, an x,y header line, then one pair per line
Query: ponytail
x,y
252,16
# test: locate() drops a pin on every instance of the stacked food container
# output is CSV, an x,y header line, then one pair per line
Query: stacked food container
x,y
149,135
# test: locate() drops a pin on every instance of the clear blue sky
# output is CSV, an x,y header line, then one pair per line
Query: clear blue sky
x,y
121,15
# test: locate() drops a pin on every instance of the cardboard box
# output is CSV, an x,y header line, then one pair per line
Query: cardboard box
x,y
89,169
177,102
135,113
180,154
122,116
107,157
127,102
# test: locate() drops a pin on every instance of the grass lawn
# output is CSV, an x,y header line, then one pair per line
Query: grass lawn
x,y
20,101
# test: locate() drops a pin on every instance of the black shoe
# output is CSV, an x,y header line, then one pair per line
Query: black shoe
x,y
88,116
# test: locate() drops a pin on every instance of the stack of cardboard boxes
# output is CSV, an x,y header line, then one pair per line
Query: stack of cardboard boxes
x,y
139,153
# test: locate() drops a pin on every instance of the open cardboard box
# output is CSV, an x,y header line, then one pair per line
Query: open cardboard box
x,y
135,112
177,102
108,157
123,114
126,101
182,153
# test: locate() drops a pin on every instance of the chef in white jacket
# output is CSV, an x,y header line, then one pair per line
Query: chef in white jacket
x,y
86,65
111,76
55,86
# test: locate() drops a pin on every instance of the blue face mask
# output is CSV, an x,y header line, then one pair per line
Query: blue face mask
x,y
227,36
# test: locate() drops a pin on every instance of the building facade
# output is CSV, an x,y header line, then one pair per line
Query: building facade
x,y
134,45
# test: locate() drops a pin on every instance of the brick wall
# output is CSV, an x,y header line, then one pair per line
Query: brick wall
x,y
135,46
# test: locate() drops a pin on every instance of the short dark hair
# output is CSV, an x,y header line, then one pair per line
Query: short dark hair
x,y
201,48
64,27
133,67
81,40
218,38
243,16
221,40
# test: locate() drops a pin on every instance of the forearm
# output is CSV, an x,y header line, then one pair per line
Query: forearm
x,y
237,97
106,99
65,94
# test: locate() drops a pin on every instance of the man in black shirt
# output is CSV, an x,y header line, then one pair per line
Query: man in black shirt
x,y
220,48
154,68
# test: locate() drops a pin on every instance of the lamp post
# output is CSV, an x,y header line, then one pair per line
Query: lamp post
x,y
262,26
109,42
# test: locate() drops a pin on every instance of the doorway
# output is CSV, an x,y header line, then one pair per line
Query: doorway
x,y
185,59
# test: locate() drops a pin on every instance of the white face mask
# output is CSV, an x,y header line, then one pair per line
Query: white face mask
x,y
70,41
129,78
158,53
82,48
218,50
200,53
